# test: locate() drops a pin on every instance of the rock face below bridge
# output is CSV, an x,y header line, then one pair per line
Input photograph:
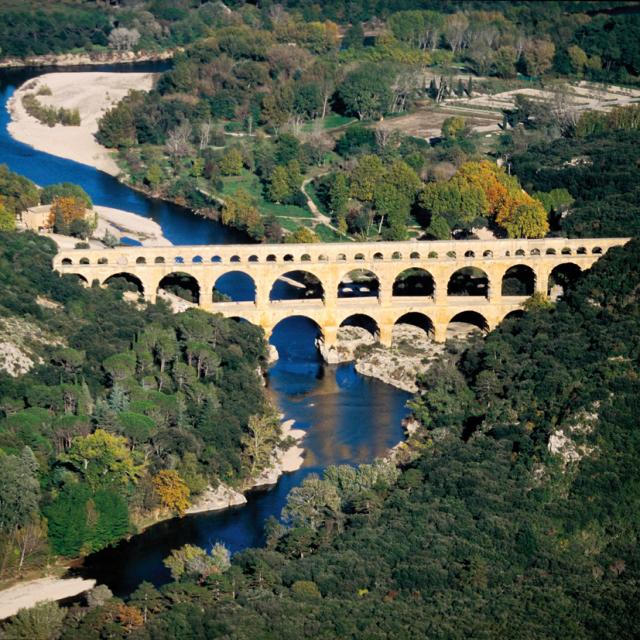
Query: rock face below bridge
x,y
411,352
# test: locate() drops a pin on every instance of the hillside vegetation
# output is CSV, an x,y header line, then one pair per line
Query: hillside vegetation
x,y
129,412
487,534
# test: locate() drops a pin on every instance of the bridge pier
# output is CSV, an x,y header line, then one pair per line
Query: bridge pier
x,y
385,337
329,336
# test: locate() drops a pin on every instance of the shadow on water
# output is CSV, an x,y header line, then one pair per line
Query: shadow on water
x,y
349,419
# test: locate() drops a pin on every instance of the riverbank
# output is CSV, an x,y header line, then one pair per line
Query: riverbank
x,y
92,93
28,594
412,351
282,461
89,58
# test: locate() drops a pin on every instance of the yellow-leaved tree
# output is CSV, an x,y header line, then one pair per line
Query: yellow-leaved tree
x,y
172,490
528,219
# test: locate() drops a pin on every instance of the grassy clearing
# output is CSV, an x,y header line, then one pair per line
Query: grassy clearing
x,y
312,192
326,234
333,121
252,186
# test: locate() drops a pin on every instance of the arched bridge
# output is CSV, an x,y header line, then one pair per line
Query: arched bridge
x,y
332,284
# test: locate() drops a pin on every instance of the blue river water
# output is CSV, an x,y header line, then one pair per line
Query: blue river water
x,y
348,419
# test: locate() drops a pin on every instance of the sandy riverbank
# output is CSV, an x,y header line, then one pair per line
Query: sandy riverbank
x,y
92,93
124,223
119,224
28,594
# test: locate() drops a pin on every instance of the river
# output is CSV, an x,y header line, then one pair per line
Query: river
x,y
349,419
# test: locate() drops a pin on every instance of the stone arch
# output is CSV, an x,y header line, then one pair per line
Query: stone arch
x,y
433,255
415,319
297,285
550,252
566,251
378,256
234,286
469,254
596,250
178,260
359,256
182,284
159,260
363,321
414,255
466,322
535,252
520,252
196,260
413,281
561,277
514,315
83,281
323,258
271,258
253,258
141,260
67,261
235,258
396,255
305,257
288,257
359,283
468,281
341,257
216,259
84,261
297,335
103,260
451,254
581,251
124,281
519,280
487,254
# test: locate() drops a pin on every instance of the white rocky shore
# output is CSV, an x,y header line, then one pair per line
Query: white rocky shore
x,y
411,351
283,461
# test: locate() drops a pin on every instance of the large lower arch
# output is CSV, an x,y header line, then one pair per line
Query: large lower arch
x,y
468,281
519,280
297,285
182,285
466,322
562,277
415,319
359,283
296,340
414,282
362,321
234,286
125,282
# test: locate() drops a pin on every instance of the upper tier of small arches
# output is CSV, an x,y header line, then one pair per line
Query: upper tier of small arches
x,y
340,257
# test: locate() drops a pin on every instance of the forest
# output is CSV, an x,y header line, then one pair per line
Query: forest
x,y
128,413
490,532
287,122
513,509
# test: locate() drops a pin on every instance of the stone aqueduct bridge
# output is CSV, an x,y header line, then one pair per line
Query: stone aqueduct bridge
x,y
331,263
